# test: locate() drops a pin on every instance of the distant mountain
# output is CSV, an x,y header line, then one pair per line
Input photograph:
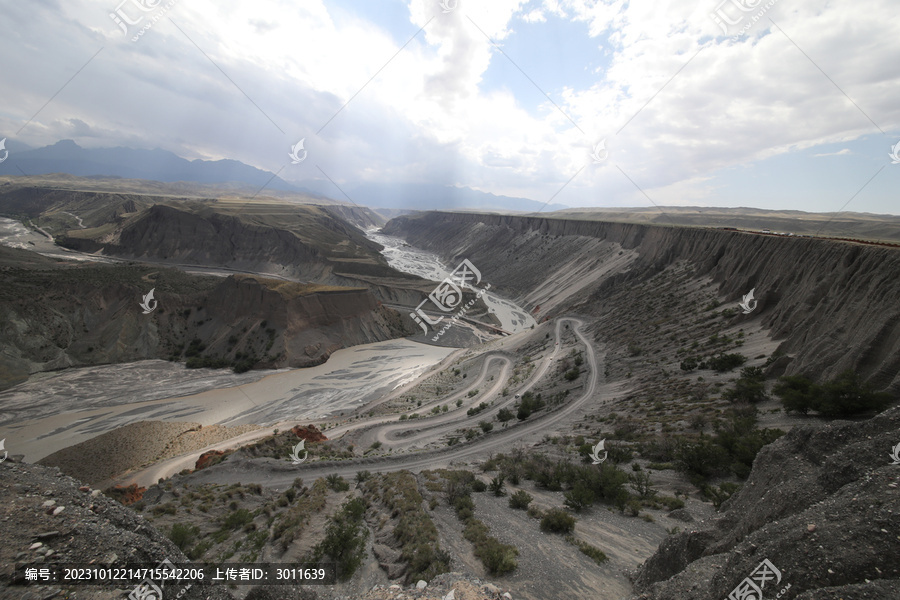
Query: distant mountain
x,y
159,165
425,196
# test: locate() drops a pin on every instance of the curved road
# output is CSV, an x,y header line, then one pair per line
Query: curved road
x,y
280,473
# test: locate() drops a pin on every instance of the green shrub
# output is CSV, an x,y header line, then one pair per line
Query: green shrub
x,y
642,485
414,530
477,409
497,558
496,485
238,519
556,520
670,502
633,507
726,362
345,539
199,550
721,494
337,483
595,554
751,391
504,414
579,497
797,393
844,396
529,404
701,459
520,500
183,535
688,364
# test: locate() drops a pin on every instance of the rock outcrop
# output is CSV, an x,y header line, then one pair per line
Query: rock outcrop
x,y
822,505
50,519
208,458
310,433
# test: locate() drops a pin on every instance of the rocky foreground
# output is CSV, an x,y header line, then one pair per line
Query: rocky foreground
x,y
818,518
821,505
49,518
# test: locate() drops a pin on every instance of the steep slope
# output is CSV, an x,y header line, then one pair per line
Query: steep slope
x,y
831,304
49,519
91,315
821,505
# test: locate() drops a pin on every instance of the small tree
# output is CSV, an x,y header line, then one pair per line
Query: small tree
x,y
750,391
642,485
846,395
579,497
496,485
797,393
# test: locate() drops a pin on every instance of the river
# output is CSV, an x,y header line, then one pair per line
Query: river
x,y
404,257
55,410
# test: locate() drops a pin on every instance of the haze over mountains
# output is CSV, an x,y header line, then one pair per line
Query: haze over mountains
x,y
66,156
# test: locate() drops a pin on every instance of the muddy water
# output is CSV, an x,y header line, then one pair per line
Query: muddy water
x,y
56,410
404,257
16,235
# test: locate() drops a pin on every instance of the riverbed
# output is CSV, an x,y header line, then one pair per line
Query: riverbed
x,y
55,410
427,265
49,412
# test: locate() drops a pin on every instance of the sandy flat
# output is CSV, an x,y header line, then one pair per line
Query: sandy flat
x,y
351,378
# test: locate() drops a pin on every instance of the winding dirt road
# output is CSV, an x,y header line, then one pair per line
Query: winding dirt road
x,y
281,473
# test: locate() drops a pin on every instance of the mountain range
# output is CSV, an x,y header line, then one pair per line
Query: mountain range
x,y
66,156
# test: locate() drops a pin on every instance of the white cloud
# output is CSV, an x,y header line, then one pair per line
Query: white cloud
x,y
430,115
842,152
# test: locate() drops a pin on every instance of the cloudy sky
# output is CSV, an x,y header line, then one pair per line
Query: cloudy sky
x,y
780,104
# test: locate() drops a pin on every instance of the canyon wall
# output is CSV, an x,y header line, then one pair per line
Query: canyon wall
x,y
90,315
833,305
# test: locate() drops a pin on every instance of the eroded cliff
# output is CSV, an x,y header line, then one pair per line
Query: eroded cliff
x,y
832,305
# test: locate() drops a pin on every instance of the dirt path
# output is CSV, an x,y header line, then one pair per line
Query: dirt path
x,y
280,474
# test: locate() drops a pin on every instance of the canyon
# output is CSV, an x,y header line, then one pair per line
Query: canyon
x,y
608,322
